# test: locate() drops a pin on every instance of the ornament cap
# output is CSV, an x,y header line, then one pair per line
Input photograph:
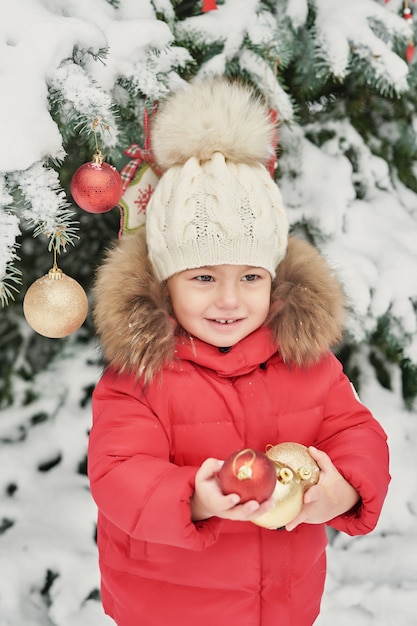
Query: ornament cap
x,y
55,273
244,471
98,157
305,473
285,475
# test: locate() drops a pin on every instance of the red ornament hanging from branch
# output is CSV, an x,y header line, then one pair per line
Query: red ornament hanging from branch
x,y
408,16
96,186
209,5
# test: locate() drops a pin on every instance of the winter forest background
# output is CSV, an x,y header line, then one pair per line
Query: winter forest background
x,y
342,76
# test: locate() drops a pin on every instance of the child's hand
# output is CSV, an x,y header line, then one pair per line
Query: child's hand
x,y
332,495
208,499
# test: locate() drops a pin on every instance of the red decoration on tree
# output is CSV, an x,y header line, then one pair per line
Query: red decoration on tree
x,y
135,199
408,16
140,177
96,186
272,163
409,52
139,155
209,5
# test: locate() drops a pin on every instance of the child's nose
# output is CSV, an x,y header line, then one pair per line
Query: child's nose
x,y
228,297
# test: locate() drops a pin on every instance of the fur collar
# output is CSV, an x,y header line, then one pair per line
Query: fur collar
x,y
134,320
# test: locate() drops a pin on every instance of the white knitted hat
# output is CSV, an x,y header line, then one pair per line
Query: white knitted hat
x,y
216,203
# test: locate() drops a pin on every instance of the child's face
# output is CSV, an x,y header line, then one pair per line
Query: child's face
x,y
221,304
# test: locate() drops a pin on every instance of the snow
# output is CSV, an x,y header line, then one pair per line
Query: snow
x,y
339,31
374,254
25,123
297,11
49,572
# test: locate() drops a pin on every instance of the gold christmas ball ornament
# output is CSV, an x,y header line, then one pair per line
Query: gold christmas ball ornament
x,y
297,457
55,305
296,472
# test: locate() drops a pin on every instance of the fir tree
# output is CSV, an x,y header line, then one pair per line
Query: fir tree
x,y
341,77
345,97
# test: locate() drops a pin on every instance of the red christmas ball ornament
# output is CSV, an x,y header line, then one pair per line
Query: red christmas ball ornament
x,y
96,186
409,52
209,5
250,474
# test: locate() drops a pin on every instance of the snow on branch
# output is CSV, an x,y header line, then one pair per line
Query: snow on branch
x,y
63,63
152,75
268,85
80,100
9,231
350,210
367,31
227,26
242,32
44,205
297,12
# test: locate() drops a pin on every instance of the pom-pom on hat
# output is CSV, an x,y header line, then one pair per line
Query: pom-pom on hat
x,y
216,202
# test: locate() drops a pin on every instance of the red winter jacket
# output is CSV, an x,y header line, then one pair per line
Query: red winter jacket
x,y
159,568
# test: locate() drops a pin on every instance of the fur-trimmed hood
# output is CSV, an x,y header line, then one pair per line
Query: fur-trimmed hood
x,y
137,331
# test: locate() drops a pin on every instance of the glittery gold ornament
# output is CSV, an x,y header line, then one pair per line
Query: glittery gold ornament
x,y
55,305
297,457
297,471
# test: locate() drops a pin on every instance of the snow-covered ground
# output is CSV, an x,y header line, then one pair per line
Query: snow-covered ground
x,y
372,580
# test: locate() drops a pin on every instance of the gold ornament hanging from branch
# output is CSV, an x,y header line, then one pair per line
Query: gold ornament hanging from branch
x,y
55,305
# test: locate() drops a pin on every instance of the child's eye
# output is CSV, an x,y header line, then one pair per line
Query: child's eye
x,y
204,278
250,277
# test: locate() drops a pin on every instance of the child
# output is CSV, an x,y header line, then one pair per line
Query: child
x,y
217,331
